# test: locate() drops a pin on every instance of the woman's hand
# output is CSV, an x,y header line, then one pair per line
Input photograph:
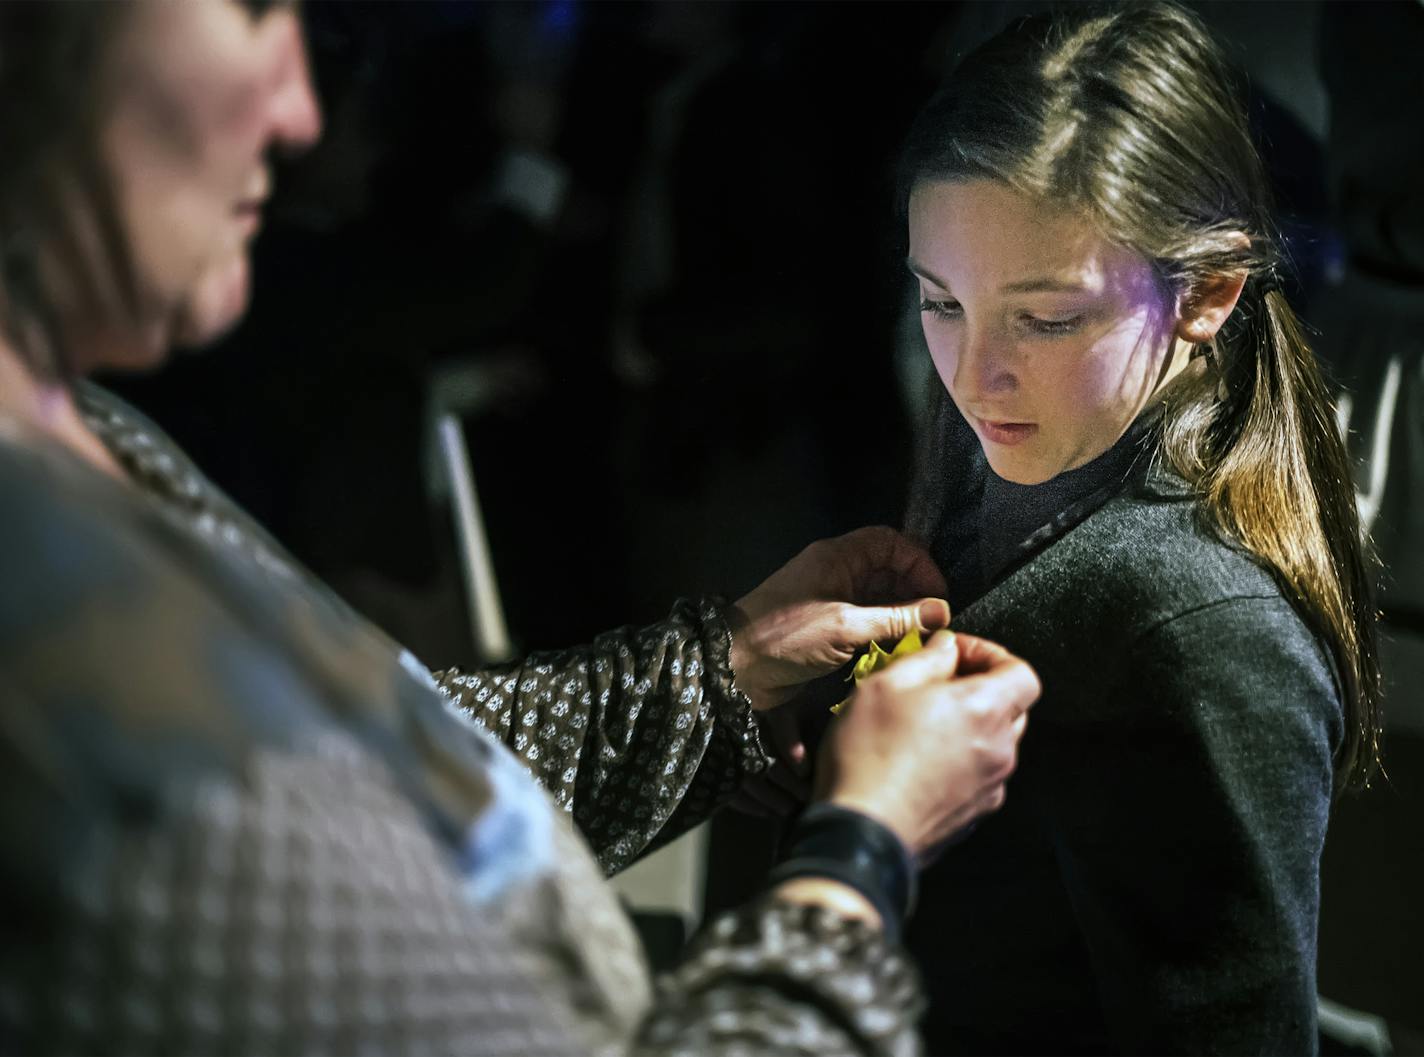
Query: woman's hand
x,y
810,618
927,745
812,615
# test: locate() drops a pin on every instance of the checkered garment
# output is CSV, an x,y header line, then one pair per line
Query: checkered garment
x,y
237,818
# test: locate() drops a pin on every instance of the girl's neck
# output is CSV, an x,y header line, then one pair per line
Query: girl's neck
x,y
45,411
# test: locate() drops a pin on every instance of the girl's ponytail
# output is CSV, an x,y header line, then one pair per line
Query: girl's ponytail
x,y
1273,474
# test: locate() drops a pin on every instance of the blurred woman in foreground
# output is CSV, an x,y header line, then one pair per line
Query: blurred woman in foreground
x,y
235,816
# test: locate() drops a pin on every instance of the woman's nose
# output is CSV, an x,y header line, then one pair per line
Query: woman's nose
x,y
295,113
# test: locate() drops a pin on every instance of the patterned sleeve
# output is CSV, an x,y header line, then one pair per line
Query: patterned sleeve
x,y
778,978
641,735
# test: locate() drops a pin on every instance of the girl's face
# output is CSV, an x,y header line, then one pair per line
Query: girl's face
x,y
1049,339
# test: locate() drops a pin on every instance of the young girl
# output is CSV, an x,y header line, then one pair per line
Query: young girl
x,y
1136,483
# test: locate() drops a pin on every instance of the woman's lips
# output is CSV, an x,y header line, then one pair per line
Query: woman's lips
x,y
249,217
1006,433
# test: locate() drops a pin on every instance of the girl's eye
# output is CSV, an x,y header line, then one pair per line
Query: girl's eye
x,y
1051,327
941,309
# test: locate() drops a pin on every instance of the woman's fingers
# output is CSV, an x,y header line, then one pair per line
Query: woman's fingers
x,y
937,662
980,655
862,625
808,619
926,749
985,663
883,562
781,728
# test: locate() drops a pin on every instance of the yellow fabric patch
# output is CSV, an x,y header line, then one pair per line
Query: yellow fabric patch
x,y
875,658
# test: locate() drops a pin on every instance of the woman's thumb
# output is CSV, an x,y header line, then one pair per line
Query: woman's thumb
x,y
890,623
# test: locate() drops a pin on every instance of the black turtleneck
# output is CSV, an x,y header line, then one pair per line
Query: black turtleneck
x,y
997,524
1011,514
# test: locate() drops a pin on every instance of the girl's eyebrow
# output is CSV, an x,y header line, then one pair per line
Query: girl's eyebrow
x,y
1044,285
1021,286
920,270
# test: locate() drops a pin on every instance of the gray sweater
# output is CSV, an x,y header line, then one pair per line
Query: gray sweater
x,y
1152,884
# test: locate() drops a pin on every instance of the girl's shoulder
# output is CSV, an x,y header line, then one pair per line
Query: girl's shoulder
x,y
1143,615
1144,556
1143,564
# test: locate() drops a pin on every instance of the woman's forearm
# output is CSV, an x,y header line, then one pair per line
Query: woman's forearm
x,y
639,734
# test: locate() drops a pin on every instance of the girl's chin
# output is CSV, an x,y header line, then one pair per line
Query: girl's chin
x,y
1019,470
216,302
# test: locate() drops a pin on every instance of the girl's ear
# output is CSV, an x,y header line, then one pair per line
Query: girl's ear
x,y
1207,307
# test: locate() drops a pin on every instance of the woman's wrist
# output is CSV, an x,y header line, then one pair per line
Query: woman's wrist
x,y
835,896
877,810
834,844
742,656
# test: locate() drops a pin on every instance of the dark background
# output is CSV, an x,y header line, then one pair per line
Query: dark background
x,y
697,357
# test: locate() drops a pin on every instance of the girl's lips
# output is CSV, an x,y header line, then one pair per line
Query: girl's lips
x,y
1006,433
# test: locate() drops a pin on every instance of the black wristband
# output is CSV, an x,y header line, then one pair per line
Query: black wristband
x,y
854,849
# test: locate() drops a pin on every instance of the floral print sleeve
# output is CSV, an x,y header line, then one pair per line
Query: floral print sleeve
x,y
640,735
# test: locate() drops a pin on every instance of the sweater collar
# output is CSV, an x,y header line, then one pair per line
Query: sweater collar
x,y
1018,521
